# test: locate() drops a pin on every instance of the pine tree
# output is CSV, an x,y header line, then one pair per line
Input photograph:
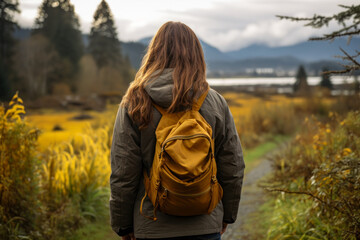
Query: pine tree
x,y
104,44
301,84
58,22
325,79
8,8
114,73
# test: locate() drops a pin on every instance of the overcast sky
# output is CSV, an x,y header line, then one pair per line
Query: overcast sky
x,y
225,24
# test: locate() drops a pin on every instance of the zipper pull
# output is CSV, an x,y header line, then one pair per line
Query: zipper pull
x,y
213,178
157,184
165,193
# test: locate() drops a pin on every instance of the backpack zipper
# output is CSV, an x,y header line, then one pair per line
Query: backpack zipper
x,y
188,195
183,137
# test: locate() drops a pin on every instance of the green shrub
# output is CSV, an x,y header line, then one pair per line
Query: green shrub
x,y
323,166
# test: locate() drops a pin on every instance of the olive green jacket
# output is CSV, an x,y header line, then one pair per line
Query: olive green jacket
x,y
132,151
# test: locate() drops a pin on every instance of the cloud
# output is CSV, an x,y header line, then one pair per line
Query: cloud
x,y
226,24
231,25
29,5
269,32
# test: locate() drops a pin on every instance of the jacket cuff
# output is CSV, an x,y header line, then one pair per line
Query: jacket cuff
x,y
228,221
124,231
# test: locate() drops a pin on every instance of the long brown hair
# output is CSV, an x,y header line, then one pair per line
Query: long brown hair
x,y
174,46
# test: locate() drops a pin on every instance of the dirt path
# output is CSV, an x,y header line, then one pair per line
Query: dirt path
x,y
251,198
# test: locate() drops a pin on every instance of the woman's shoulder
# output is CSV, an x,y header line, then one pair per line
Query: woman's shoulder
x,y
216,98
214,105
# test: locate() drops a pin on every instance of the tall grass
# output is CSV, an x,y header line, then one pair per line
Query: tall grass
x,y
267,120
47,194
72,167
285,116
19,173
292,218
75,177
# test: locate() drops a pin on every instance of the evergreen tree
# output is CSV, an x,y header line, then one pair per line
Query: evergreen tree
x,y
8,8
104,44
58,22
114,73
325,79
301,84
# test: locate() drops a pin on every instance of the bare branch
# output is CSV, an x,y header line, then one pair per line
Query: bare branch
x,y
295,192
318,21
332,36
350,58
339,71
297,19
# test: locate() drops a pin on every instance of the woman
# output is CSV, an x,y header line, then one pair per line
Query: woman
x,y
172,76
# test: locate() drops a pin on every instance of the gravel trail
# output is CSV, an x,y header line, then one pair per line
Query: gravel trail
x,y
251,198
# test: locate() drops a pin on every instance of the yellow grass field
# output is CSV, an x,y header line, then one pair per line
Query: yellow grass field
x,y
241,105
48,119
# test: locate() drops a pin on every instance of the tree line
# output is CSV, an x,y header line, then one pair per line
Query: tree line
x,y
54,60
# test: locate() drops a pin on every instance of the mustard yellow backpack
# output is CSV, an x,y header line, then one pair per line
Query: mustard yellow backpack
x,y
182,179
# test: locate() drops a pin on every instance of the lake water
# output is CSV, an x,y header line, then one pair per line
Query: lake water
x,y
274,81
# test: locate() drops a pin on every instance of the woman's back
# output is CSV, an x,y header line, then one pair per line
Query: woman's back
x,y
133,151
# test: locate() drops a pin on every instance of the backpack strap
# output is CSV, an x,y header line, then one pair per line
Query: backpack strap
x,y
197,104
160,109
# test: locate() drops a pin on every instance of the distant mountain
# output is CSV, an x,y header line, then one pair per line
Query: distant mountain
x,y
22,33
314,55
249,60
270,66
211,53
306,51
145,41
135,52
86,39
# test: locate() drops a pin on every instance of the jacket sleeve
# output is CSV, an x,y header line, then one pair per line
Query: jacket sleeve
x,y
230,165
126,170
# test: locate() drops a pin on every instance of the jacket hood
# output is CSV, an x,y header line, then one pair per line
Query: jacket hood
x,y
160,88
